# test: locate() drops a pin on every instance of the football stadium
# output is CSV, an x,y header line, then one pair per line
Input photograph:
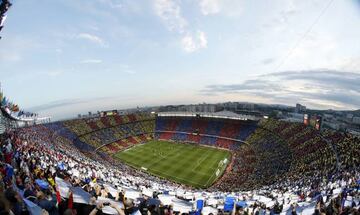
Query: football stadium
x,y
79,156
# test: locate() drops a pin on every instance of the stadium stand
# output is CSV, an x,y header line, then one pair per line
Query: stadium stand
x,y
213,132
2,124
279,167
110,131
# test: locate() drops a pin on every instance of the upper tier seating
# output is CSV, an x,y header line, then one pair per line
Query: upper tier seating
x,y
224,133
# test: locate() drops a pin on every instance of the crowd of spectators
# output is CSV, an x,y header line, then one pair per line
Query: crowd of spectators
x,y
308,172
119,132
281,153
275,151
34,160
84,126
109,133
223,133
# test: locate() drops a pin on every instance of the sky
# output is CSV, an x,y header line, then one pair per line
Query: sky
x,y
64,57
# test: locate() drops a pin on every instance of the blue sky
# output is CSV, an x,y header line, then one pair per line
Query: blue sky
x,y
62,57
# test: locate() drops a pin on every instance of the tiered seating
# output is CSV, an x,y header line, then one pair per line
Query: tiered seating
x,y
240,169
348,149
106,122
227,144
283,152
166,136
78,126
299,151
211,141
214,127
133,132
168,125
194,138
89,134
309,150
60,129
208,131
266,159
273,150
118,119
132,118
93,125
229,129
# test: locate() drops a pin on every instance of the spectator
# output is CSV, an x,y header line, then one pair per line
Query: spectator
x,y
47,202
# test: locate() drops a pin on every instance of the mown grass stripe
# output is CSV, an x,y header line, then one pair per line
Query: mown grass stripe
x,y
183,163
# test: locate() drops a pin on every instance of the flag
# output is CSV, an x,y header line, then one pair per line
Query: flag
x,y
58,196
70,201
3,20
32,207
4,101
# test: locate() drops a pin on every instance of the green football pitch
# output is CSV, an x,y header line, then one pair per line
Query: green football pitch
x,y
188,164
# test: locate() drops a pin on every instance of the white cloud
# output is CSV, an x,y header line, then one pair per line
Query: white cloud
x,y
112,4
125,6
350,64
202,39
208,7
192,43
317,88
91,61
170,13
125,68
10,56
230,8
51,73
91,38
314,51
14,48
188,43
129,71
54,73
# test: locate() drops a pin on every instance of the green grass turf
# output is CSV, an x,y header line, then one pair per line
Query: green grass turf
x,y
188,164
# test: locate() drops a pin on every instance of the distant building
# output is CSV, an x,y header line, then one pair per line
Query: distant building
x,y
332,125
354,132
349,116
300,108
294,117
191,108
328,116
356,120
